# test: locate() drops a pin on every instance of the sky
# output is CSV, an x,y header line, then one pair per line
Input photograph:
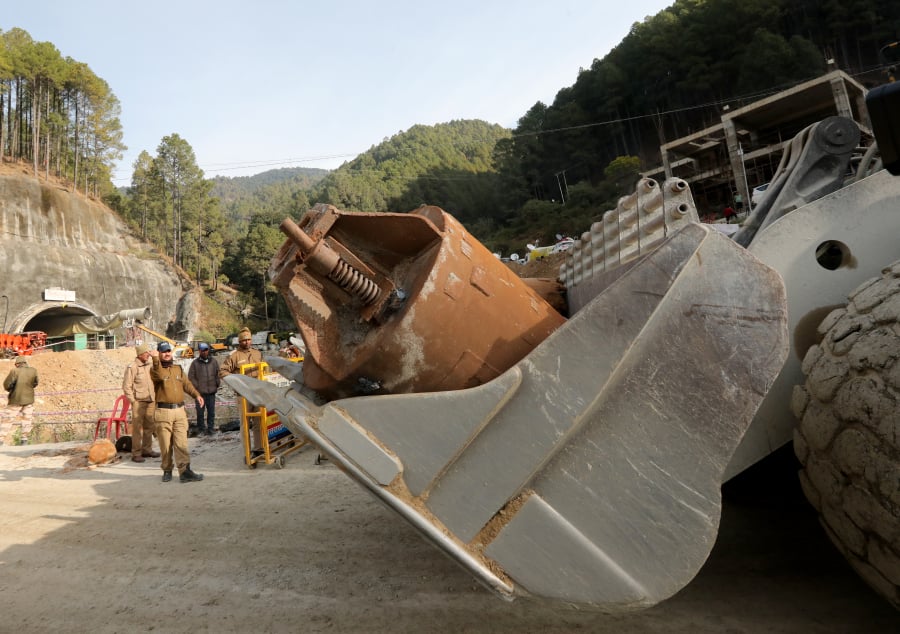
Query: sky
x,y
254,86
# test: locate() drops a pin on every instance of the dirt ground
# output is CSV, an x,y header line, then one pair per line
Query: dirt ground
x,y
77,387
113,549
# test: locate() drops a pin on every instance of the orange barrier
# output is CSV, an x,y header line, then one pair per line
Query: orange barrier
x,y
22,343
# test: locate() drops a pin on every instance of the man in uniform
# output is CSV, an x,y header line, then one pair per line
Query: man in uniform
x,y
138,389
20,383
170,384
245,354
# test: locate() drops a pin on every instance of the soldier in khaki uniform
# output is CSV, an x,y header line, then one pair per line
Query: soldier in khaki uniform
x,y
171,383
244,355
138,389
20,383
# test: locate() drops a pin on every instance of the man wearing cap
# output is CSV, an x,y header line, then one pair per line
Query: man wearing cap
x,y
20,383
138,389
244,355
204,375
170,384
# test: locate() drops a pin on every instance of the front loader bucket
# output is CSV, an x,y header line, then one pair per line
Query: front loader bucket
x,y
590,471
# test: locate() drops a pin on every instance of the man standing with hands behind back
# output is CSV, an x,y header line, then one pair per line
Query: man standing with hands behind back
x,y
204,375
138,389
170,383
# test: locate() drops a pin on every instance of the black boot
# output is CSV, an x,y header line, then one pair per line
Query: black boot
x,y
189,476
167,476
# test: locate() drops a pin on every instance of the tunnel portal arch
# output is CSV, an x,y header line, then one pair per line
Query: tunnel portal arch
x,y
41,316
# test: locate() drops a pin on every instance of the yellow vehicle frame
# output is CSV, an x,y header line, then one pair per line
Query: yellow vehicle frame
x,y
180,350
266,452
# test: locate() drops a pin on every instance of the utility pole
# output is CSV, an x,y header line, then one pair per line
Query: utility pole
x,y
560,185
265,298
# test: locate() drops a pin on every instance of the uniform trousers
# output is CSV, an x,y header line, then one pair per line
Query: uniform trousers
x,y
143,425
172,433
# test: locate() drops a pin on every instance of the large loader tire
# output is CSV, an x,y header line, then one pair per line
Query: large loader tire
x,y
848,439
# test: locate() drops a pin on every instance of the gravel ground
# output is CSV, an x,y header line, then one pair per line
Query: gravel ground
x,y
79,386
113,549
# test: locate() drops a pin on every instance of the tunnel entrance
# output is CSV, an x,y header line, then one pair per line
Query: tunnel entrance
x,y
67,324
52,318
45,326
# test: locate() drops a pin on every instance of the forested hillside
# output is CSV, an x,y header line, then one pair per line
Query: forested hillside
x,y
234,188
274,194
556,172
449,162
674,73
56,114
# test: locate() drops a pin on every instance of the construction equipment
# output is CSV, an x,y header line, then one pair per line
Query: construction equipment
x,y
581,460
21,343
275,441
180,350
214,348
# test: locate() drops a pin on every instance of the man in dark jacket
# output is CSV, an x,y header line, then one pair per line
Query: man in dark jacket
x,y
204,375
20,384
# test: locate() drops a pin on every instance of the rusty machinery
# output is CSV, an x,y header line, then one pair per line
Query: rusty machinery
x,y
395,303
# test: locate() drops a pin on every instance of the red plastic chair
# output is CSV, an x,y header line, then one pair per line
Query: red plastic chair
x,y
119,418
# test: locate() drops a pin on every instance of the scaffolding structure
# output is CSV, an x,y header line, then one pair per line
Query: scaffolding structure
x,y
271,441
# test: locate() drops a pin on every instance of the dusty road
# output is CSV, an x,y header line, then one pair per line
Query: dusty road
x,y
304,549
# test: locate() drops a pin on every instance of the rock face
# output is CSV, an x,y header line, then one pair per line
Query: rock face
x,y
53,239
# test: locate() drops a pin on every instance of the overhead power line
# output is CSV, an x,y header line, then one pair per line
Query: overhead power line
x,y
239,165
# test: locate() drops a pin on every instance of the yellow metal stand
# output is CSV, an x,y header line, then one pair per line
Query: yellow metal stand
x,y
274,440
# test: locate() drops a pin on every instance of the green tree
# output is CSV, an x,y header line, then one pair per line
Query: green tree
x,y
105,145
55,112
247,262
771,60
623,171
6,77
143,197
183,189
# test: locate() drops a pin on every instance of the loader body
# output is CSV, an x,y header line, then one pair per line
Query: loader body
x,y
588,469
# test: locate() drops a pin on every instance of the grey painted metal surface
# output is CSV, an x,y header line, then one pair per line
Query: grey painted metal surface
x,y
639,223
806,223
861,224
590,471
813,165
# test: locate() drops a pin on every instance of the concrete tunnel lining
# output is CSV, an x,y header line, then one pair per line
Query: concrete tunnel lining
x,y
39,316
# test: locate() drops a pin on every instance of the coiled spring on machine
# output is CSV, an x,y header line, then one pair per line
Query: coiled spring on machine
x,y
354,282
